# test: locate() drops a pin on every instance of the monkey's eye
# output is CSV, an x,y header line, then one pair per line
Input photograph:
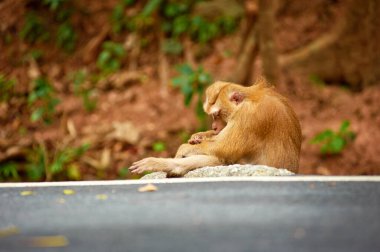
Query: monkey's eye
x,y
216,114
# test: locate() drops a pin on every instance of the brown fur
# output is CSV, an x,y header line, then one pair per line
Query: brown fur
x,y
261,129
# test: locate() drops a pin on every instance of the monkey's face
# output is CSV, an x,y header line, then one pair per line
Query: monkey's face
x,y
218,124
222,98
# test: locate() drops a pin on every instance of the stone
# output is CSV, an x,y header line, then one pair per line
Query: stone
x,y
235,170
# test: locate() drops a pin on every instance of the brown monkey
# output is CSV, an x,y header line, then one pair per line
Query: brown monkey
x,y
261,128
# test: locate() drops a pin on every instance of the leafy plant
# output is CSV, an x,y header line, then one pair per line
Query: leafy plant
x,y
35,55
6,88
66,37
62,162
159,146
176,19
316,80
193,82
172,46
109,59
9,171
35,25
118,18
53,4
42,100
123,172
34,29
334,142
79,79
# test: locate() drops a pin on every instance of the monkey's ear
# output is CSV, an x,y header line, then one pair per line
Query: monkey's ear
x,y
237,97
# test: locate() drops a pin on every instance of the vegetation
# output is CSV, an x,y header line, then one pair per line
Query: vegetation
x,y
159,146
42,100
334,142
36,26
43,164
109,59
175,19
80,79
9,172
6,88
193,83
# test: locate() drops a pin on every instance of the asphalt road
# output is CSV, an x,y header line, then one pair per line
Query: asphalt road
x,y
201,216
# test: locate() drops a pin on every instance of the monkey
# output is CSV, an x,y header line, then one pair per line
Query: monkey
x,y
260,128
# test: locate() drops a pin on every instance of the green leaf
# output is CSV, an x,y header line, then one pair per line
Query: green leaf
x,y
53,4
123,172
344,126
35,172
37,114
129,2
66,37
172,46
9,171
103,58
177,81
336,145
73,172
150,7
327,134
204,78
188,98
32,98
199,109
185,69
159,146
180,25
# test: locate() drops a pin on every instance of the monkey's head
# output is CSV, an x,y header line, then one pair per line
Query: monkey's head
x,y
222,99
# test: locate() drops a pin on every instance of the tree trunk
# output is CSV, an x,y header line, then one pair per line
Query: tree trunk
x,y
350,53
243,71
268,51
247,46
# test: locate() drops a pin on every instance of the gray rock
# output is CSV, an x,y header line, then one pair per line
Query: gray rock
x,y
235,170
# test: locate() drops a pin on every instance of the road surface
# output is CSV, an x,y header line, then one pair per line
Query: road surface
x,y
259,214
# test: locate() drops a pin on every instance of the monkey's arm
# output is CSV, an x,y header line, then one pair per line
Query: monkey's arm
x,y
233,144
174,166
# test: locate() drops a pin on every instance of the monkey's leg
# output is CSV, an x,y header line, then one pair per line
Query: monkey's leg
x,y
174,166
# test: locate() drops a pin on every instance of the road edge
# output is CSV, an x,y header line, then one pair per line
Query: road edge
x,y
198,180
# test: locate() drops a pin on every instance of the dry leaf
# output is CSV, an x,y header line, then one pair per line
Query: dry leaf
x,y
8,231
105,160
71,128
33,71
68,192
101,196
299,233
49,241
148,188
26,193
61,201
124,132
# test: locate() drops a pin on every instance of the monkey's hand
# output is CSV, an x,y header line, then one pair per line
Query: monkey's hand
x,y
168,165
197,138
151,164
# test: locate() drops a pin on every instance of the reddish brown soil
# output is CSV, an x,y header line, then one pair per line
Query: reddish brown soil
x,y
161,116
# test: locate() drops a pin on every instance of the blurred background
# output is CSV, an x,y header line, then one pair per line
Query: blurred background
x,y
88,87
